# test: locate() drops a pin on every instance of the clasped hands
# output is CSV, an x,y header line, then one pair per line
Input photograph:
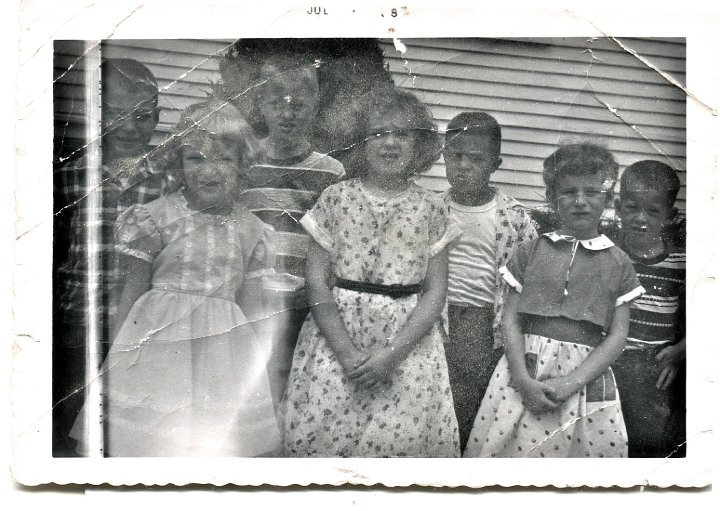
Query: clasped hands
x,y
369,370
543,396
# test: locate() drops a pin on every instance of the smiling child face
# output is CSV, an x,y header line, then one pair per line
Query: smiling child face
x,y
389,147
210,167
644,214
129,118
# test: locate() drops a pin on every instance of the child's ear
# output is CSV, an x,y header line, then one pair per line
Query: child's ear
x,y
156,115
496,165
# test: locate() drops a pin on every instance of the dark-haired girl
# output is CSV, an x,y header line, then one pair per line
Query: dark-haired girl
x,y
553,394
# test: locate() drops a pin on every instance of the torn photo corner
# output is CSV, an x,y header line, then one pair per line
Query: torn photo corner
x,y
211,286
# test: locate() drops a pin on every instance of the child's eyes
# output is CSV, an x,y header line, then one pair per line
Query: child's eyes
x,y
385,133
588,194
478,160
633,208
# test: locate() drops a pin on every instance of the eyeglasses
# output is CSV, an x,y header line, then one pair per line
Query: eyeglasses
x,y
592,195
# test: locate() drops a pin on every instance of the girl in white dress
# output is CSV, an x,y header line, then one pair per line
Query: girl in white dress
x,y
186,372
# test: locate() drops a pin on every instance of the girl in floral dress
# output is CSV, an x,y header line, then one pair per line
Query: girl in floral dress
x,y
369,377
553,394
186,375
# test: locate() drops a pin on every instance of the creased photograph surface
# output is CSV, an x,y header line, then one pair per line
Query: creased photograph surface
x,y
423,255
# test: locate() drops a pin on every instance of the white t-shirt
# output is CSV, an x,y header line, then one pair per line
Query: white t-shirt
x,y
472,272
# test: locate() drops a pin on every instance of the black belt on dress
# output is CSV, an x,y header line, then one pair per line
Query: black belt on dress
x,y
391,290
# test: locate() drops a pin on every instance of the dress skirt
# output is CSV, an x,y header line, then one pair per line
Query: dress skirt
x,y
327,415
589,424
188,379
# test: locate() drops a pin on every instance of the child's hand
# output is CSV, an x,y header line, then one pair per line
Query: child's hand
x,y
561,389
375,370
669,359
535,396
351,360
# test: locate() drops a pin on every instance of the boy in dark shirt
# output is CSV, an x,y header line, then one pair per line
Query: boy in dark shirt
x,y
650,372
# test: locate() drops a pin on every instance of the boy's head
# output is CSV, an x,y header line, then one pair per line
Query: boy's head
x,y
129,107
288,99
583,159
648,190
472,151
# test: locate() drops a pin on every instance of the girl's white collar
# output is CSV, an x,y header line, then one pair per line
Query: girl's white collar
x,y
600,243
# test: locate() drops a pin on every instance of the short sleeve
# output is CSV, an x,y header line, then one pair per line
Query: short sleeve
x,y
514,272
630,287
318,221
527,231
137,235
442,229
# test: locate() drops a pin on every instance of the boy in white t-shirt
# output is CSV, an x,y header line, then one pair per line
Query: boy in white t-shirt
x,y
493,224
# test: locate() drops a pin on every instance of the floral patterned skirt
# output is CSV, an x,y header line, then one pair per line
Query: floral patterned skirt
x,y
326,415
589,424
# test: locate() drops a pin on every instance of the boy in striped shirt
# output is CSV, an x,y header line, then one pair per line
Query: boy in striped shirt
x,y
650,372
285,184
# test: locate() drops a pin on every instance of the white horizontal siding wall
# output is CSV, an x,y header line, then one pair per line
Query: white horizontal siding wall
x,y
542,92
547,91
185,71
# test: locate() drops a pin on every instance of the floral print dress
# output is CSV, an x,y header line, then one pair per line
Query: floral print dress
x,y
381,242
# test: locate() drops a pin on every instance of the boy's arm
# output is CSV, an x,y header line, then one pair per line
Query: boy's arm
x,y
670,358
250,297
250,301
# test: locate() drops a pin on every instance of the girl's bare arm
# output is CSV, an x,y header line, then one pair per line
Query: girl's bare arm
x,y
319,274
534,392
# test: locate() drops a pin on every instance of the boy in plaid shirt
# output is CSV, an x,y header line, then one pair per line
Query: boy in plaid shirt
x,y
129,116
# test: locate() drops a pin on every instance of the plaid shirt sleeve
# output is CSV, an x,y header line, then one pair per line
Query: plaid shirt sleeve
x,y
514,226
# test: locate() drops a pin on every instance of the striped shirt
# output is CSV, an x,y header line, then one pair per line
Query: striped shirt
x,y
280,193
658,316
117,195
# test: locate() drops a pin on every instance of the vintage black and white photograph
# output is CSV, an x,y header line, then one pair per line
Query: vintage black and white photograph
x,y
336,248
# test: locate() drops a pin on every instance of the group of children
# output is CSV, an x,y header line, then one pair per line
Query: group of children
x,y
272,307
